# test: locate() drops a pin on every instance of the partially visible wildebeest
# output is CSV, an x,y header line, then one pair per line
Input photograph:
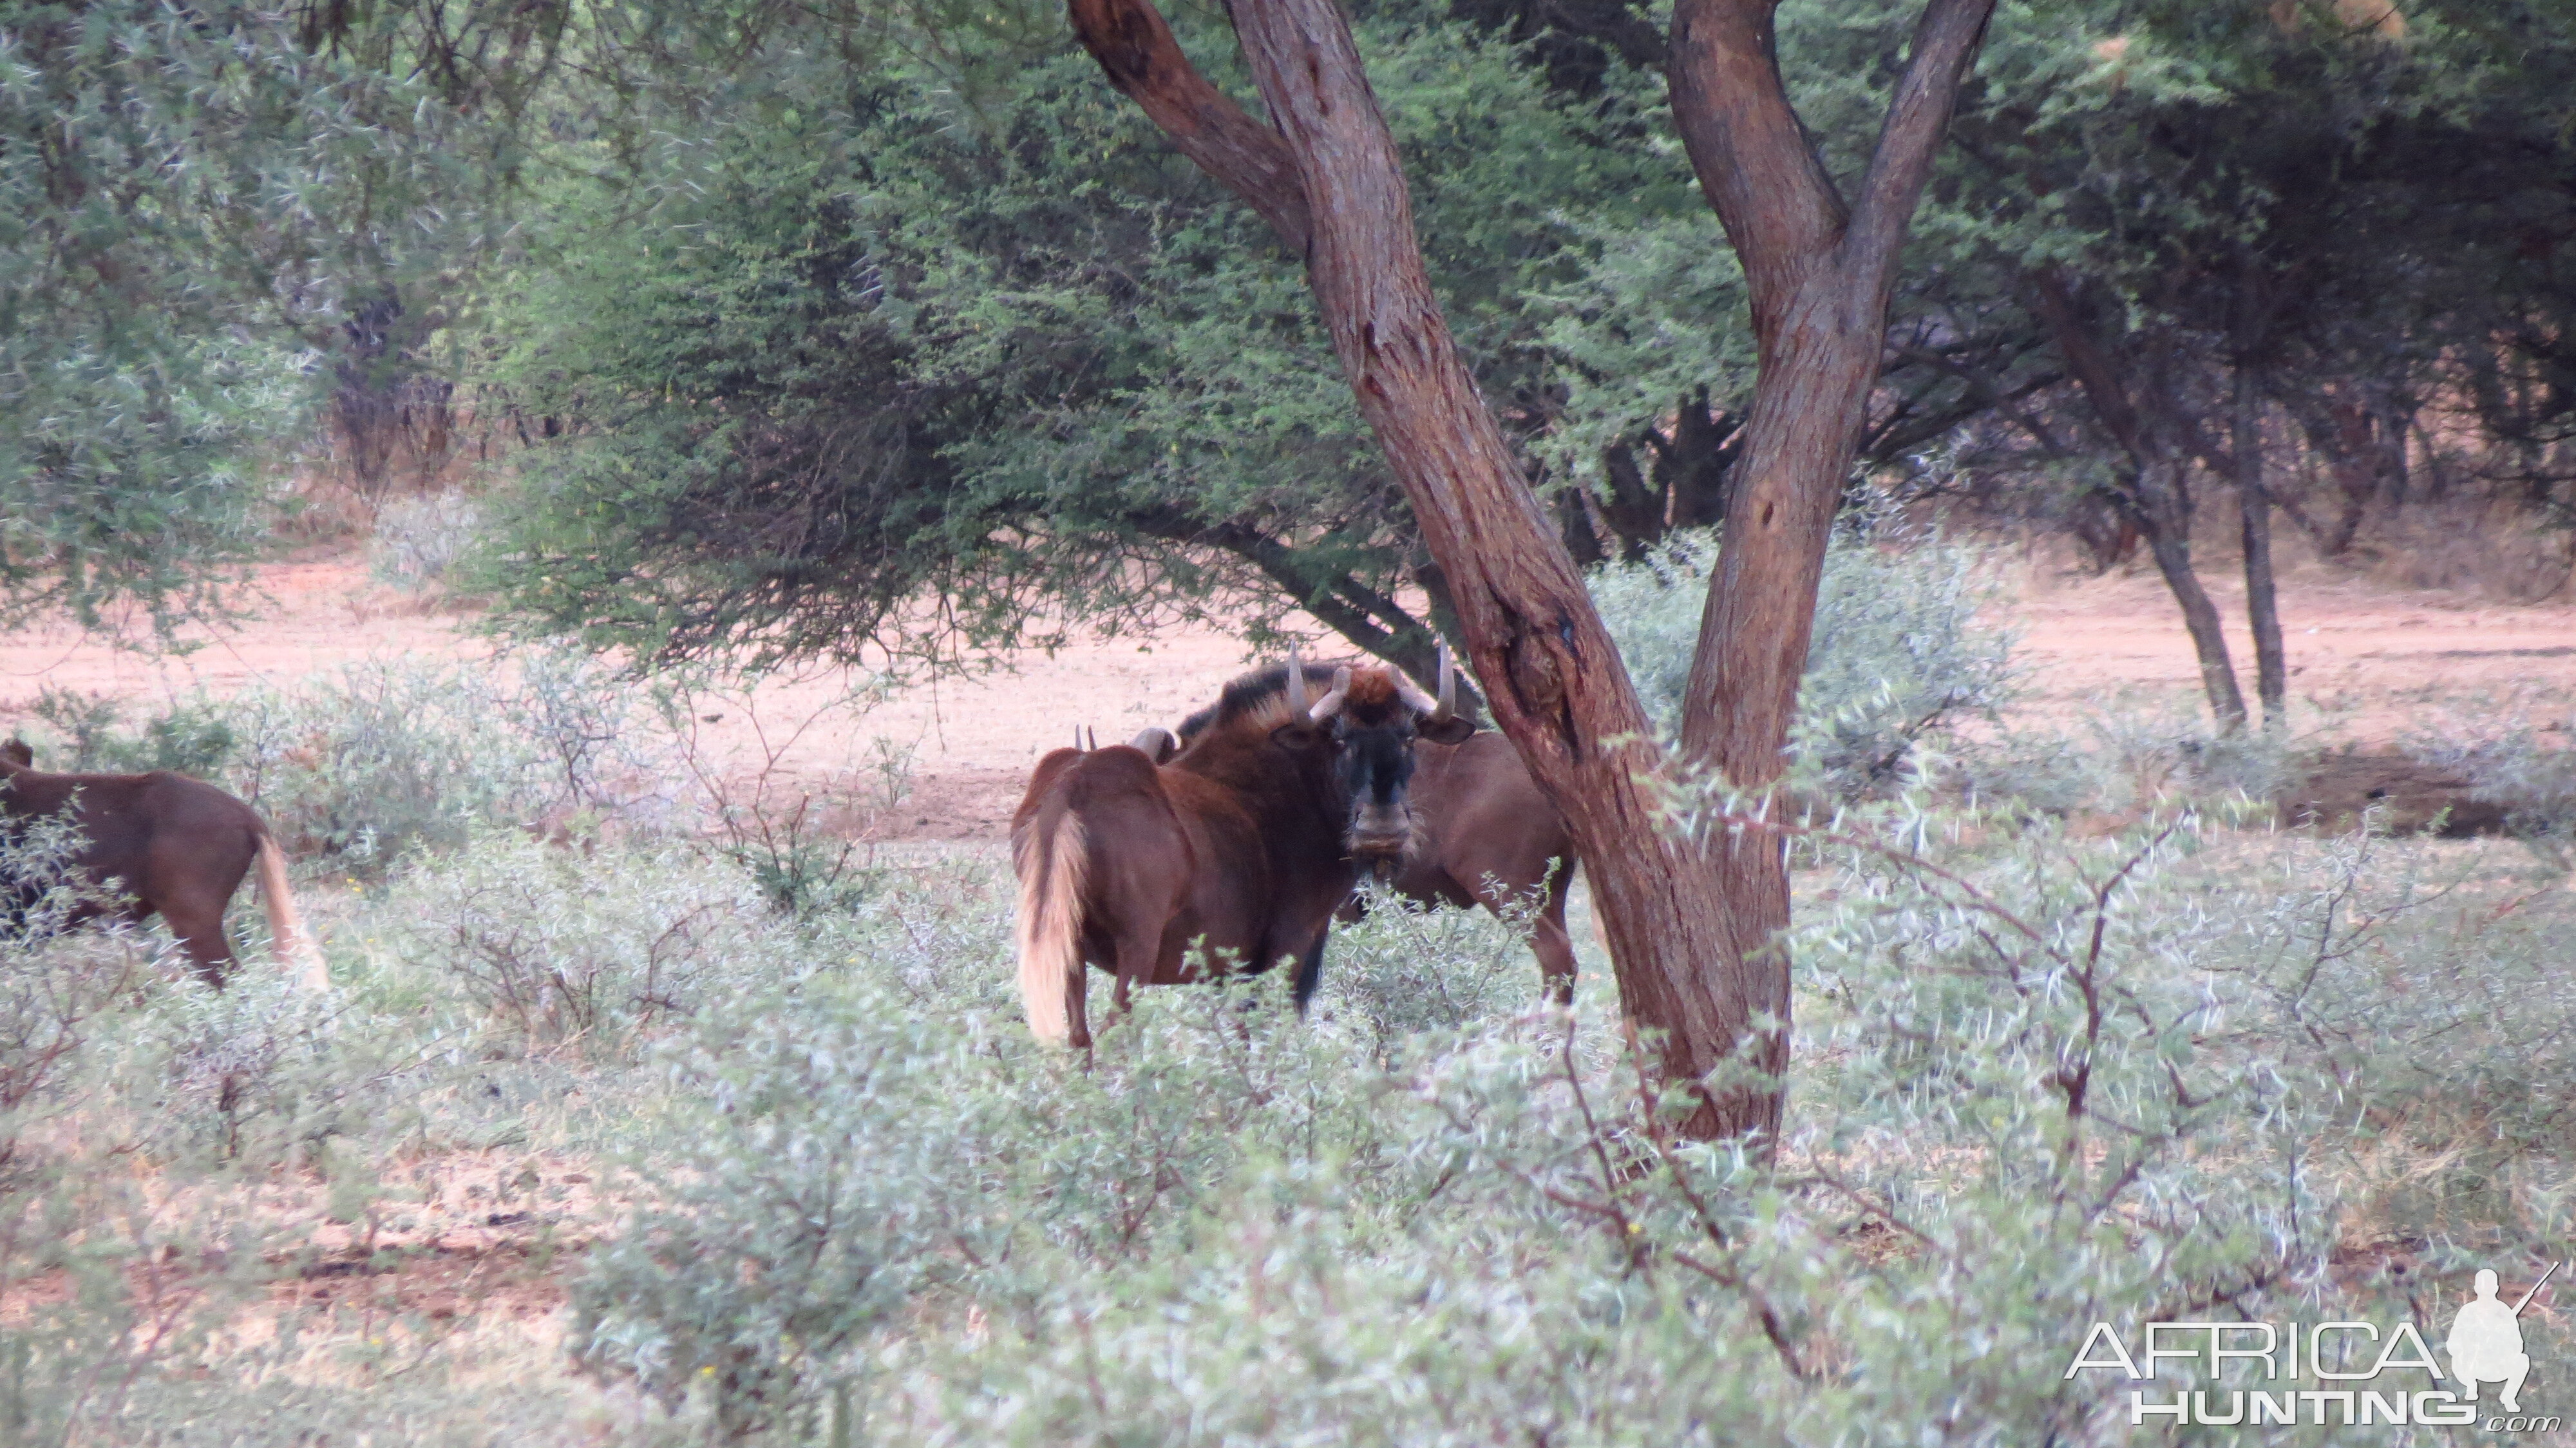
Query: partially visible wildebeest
x,y
1490,838
163,844
1238,849
1483,833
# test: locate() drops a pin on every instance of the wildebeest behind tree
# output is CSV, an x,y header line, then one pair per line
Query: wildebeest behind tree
x,y
1489,837
1483,832
1237,852
164,844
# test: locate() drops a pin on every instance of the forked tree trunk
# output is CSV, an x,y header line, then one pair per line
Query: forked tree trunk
x,y
1689,935
1552,674
1819,274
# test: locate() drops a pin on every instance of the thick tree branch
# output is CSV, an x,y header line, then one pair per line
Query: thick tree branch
x,y
1772,195
1139,54
1945,45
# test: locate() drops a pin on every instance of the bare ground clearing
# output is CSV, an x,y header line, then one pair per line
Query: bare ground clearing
x,y
2367,662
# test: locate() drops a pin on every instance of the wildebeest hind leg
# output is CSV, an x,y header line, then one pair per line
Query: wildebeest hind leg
x,y
197,920
1137,950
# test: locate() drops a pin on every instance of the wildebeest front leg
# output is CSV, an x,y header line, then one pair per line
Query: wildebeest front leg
x,y
1310,967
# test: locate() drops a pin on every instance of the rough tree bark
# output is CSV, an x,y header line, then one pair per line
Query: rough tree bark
x,y
1690,943
2254,503
1819,272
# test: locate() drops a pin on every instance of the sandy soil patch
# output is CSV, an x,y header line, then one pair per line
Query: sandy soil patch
x,y
2375,660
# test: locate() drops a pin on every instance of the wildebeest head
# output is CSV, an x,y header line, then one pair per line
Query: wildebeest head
x,y
1356,726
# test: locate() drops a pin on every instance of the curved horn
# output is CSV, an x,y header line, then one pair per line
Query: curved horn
x,y
1296,683
1411,693
1331,704
1447,704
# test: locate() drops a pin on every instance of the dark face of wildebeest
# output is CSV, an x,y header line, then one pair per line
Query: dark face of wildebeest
x,y
1372,716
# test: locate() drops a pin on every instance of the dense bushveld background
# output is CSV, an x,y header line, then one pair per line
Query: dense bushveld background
x,y
631,1118
651,1102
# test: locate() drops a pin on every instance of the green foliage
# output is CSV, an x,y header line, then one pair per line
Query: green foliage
x,y
191,736
129,412
190,202
856,343
1898,657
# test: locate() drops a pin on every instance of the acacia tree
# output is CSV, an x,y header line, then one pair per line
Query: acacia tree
x,y
1691,926
2211,211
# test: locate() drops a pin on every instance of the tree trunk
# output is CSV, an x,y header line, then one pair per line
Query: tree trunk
x,y
1760,617
2254,502
1819,275
1696,466
1574,515
2168,529
2157,500
1690,972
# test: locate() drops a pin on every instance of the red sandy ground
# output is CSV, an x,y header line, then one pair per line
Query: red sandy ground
x,y
2379,659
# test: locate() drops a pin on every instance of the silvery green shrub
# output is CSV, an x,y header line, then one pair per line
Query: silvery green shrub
x,y
1898,654
548,943
1403,969
842,1178
2042,1080
89,734
2509,762
420,540
375,759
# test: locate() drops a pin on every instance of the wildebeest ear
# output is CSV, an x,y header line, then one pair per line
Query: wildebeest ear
x,y
1453,730
20,751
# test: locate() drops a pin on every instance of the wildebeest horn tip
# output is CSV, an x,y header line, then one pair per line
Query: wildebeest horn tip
x,y
1331,704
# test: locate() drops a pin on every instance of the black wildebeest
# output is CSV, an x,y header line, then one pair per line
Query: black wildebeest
x,y
1483,833
1490,838
1238,849
163,844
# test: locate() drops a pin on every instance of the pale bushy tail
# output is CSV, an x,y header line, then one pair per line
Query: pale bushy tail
x,y
285,925
1051,869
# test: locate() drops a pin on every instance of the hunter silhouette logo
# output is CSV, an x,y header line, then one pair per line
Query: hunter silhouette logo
x,y
2347,1373
2486,1341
